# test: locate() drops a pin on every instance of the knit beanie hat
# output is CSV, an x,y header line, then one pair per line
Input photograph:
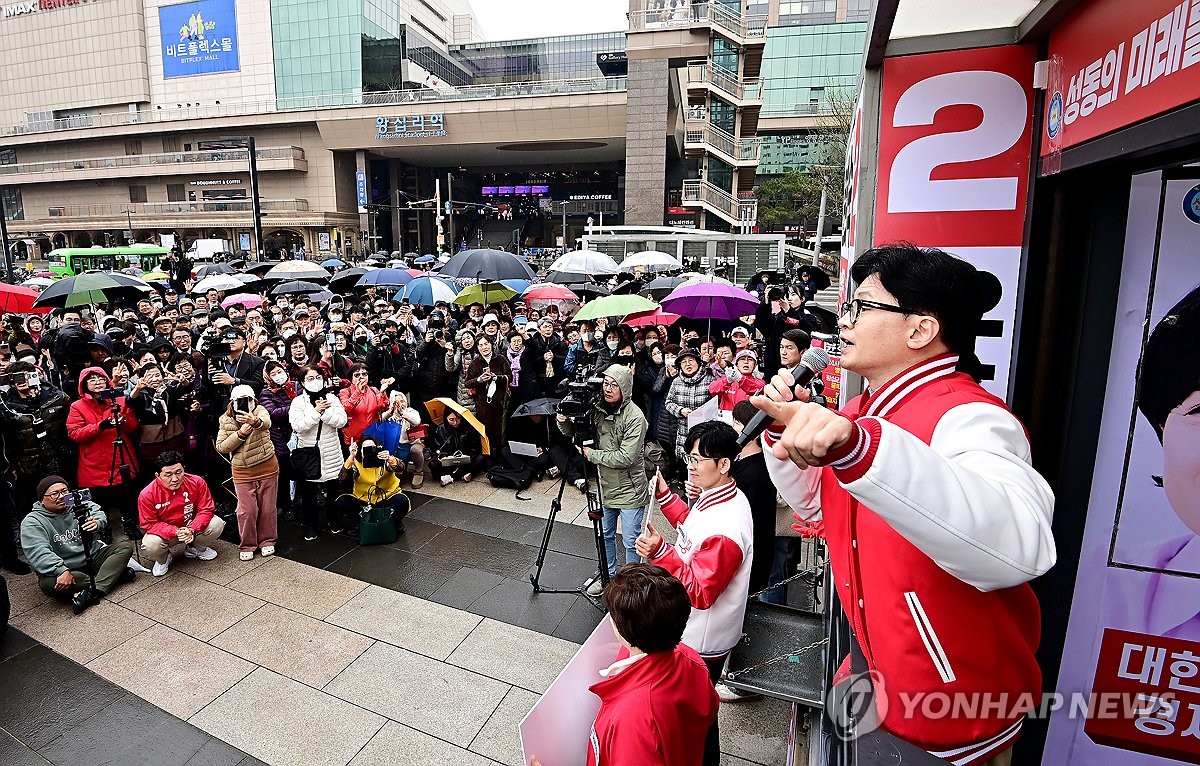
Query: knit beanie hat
x,y
48,482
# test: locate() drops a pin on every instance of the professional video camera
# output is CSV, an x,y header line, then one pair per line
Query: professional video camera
x,y
437,324
214,346
579,397
76,502
110,395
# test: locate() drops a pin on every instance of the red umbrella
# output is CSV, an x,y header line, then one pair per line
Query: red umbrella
x,y
651,318
549,292
15,299
417,272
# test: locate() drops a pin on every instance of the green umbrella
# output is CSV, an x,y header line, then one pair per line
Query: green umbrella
x,y
485,292
614,306
92,287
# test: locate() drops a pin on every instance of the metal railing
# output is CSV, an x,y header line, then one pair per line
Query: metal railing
x,y
176,208
327,101
147,160
713,197
737,149
701,72
665,15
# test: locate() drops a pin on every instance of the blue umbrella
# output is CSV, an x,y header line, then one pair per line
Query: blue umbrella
x,y
333,263
385,278
427,291
425,259
520,285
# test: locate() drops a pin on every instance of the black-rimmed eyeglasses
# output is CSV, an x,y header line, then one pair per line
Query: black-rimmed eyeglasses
x,y
853,309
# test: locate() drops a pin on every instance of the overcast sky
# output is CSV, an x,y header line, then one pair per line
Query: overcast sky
x,y
515,19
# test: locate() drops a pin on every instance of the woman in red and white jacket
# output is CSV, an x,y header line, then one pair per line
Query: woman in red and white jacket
x,y
713,552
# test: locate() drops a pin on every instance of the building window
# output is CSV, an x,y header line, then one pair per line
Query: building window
x,y
433,10
133,146
137,193
176,193
8,156
14,208
170,143
858,10
796,12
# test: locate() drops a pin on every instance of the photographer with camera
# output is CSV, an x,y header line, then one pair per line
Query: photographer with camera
x,y
35,413
99,423
429,373
58,536
316,415
372,472
618,451
458,362
160,412
390,358
245,436
68,349
177,511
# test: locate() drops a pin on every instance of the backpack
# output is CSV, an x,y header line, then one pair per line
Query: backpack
x,y
511,478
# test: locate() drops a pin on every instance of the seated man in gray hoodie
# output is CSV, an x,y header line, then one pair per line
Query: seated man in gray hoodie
x,y
54,546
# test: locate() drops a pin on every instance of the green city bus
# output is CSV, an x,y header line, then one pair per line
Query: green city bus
x,y
70,261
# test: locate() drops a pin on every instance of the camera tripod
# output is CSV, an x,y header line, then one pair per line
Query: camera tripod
x,y
119,465
90,596
596,516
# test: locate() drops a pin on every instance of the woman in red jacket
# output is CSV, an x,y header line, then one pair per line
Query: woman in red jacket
x,y
362,402
94,423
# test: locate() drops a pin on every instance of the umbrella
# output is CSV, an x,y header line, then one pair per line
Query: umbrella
x,y
615,305
585,262
427,291
695,278
214,268
548,291
333,263
409,255
249,300
711,301
588,288
651,318
424,259
259,268
320,296
385,278
487,264
297,270
297,286
544,406
38,283
520,285
92,287
156,275
660,287
651,260
345,281
567,277
485,292
437,413
15,299
222,282
816,275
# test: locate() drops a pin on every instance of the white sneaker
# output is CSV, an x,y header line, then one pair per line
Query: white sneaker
x,y
595,587
581,485
729,694
204,554
267,550
137,566
161,569
447,480
246,555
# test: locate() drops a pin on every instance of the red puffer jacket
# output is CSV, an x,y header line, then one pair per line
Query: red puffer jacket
x,y
96,443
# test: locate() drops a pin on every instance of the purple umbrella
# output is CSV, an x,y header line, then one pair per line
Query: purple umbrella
x,y
710,300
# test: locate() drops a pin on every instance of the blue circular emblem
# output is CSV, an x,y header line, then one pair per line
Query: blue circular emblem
x,y
1191,204
1054,115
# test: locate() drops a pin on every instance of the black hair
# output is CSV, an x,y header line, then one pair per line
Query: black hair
x,y
799,337
724,343
932,282
1169,370
649,607
744,412
168,458
714,438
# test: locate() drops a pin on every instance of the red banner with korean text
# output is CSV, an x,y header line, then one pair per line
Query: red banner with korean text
x,y
955,148
1114,63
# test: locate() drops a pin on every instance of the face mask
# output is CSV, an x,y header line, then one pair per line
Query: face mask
x,y
656,359
612,345
626,358
598,335
335,317
670,360
314,386
279,377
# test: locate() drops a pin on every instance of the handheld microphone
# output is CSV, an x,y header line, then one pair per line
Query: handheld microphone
x,y
812,362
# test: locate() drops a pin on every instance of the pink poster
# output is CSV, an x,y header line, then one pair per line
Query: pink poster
x,y
1129,684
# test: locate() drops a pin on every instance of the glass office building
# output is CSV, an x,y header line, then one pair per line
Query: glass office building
x,y
553,58
317,48
804,65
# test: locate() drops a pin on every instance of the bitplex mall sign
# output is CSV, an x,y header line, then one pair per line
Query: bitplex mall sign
x,y
36,6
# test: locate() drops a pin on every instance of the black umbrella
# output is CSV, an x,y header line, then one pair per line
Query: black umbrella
x,y
214,268
567,277
487,264
545,406
296,286
816,275
660,287
628,287
593,290
345,281
259,268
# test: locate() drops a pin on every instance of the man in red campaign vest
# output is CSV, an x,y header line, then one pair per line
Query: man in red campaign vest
x,y
934,518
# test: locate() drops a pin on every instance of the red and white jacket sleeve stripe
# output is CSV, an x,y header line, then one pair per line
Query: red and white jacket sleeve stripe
x,y
711,567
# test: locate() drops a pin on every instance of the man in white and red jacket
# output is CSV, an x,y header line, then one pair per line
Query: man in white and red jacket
x,y
923,489
713,553
176,511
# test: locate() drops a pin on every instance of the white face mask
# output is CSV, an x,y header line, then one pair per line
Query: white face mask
x,y
598,335
670,360
612,345
279,378
314,386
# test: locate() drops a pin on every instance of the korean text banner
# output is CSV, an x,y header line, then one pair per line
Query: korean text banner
x,y
199,38
1114,63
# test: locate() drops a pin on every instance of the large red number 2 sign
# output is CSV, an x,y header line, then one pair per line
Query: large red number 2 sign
x,y
954,157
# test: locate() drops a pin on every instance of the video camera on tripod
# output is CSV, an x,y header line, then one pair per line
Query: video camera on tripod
x,y
76,502
579,397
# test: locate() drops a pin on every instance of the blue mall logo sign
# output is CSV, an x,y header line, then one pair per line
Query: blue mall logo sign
x,y
199,38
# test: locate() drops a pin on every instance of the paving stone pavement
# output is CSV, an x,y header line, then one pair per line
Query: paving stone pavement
x,y
428,651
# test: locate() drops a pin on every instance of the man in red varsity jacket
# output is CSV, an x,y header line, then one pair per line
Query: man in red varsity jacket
x,y
923,489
